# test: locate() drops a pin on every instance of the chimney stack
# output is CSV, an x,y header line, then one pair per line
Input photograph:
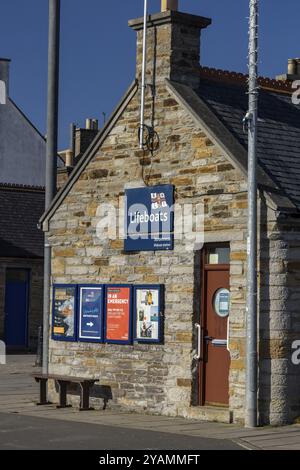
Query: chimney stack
x,y
293,71
173,45
4,78
169,5
84,137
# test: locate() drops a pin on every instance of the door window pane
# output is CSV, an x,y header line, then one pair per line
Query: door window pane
x,y
16,275
218,255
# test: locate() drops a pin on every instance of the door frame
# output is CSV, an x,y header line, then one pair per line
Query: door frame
x,y
28,296
204,268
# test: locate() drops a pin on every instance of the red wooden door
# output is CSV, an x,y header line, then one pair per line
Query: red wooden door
x,y
216,358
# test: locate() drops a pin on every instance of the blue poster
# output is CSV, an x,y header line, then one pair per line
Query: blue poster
x,y
149,218
90,313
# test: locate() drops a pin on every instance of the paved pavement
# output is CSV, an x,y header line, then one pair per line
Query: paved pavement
x,y
24,425
26,432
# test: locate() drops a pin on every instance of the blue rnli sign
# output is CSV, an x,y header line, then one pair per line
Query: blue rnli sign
x,y
149,218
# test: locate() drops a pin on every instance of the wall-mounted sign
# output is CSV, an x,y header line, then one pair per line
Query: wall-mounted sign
x,y
90,313
221,302
64,312
148,313
118,314
149,218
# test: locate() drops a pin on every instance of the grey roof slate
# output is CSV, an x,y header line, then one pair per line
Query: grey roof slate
x,y
278,129
20,211
221,107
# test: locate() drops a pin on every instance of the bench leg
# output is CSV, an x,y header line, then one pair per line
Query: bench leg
x,y
62,385
43,393
85,397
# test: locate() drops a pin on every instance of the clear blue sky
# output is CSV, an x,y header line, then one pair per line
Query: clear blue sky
x,y
98,49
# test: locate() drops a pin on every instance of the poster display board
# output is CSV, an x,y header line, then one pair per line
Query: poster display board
x,y
108,313
90,311
64,312
118,314
148,313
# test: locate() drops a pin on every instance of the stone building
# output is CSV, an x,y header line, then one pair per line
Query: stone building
x,y
22,203
22,181
201,149
21,265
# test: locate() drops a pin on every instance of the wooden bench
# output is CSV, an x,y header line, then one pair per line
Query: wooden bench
x,y
63,382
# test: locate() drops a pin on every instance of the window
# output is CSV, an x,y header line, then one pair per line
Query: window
x,y
218,255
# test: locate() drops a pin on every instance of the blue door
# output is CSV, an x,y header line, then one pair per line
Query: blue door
x,y
16,307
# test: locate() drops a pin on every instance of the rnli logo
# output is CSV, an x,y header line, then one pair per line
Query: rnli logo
x,y
158,201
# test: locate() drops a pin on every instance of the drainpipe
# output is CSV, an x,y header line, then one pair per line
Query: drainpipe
x,y
252,364
51,157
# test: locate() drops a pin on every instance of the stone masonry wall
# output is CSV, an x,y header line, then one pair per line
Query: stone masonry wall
x,y
155,378
279,379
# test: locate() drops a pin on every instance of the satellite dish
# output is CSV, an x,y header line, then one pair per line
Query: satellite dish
x,y
2,92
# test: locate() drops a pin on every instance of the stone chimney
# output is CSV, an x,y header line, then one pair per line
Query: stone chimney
x,y
4,79
173,45
80,140
293,71
84,137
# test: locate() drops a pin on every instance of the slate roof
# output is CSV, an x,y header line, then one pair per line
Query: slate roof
x,y
278,128
20,211
219,105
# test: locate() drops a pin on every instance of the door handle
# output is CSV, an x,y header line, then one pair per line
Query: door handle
x,y
228,325
197,356
219,342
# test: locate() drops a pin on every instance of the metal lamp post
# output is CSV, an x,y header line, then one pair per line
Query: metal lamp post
x,y
51,156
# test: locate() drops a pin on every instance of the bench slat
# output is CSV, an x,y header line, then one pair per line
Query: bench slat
x,y
64,378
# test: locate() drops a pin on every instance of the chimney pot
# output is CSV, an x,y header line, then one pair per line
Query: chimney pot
x,y
88,124
95,124
297,66
4,78
292,67
69,159
169,5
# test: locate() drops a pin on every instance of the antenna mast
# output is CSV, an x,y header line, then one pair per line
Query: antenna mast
x,y
144,85
252,119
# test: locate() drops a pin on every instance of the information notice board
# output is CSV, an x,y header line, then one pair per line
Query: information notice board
x,y
64,312
115,313
148,313
91,313
118,314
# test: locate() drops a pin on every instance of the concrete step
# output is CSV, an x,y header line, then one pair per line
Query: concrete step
x,y
210,413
